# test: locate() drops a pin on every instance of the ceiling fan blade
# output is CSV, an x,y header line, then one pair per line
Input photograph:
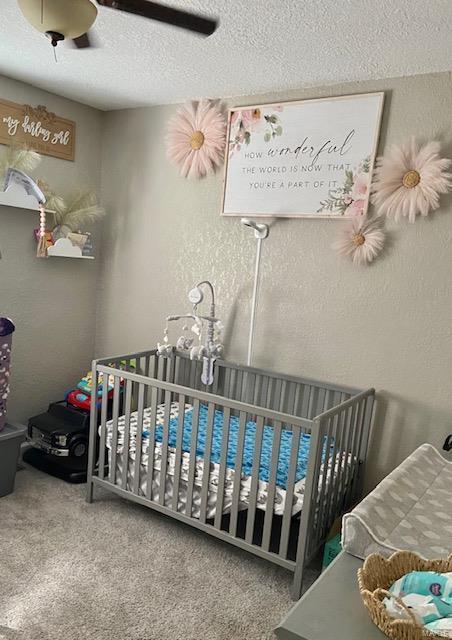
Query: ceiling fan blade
x,y
163,13
88,40
82,42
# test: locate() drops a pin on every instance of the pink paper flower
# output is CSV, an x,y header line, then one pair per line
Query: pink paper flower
x,y
410,179
361,239
196,138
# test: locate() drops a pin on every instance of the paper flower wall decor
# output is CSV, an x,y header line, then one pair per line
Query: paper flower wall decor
x,y
196,138
410,179
361,239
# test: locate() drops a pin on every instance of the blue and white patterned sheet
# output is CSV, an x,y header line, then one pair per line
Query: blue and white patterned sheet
x,y
285,447
166,482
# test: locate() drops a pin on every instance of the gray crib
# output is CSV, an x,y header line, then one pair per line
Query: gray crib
x,y
141,449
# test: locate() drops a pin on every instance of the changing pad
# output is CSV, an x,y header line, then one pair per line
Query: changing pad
x,y
411,509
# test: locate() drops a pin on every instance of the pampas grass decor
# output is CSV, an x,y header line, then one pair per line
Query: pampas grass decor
x,y
18,157
83,209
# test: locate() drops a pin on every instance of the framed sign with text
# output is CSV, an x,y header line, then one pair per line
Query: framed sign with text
x,y
37,128
311,158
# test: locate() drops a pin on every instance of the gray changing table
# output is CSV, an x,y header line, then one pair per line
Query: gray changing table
x,y
332,608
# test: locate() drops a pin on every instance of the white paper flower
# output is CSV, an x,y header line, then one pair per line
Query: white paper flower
x,y
196,138
361,239
410,179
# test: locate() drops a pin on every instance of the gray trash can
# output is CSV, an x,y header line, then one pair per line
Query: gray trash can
x,y
10,440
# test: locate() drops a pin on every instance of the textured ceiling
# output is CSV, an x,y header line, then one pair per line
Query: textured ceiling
x,y
261,45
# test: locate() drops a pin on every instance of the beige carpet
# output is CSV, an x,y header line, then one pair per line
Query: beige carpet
x,y
117,571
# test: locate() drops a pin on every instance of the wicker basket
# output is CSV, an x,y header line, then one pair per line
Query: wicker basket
x,y
378,574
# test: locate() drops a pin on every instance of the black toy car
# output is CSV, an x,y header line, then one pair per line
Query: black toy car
x,y
59,440
61,431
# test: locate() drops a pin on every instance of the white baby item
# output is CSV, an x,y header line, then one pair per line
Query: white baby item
x,y
207,329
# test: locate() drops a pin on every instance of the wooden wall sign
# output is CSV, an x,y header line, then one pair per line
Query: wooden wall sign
x,y
38,128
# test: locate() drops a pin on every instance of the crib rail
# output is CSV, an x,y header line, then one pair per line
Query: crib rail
x,y
178,480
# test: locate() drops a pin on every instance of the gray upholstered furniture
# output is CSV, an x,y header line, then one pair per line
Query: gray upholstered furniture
x,y
410,509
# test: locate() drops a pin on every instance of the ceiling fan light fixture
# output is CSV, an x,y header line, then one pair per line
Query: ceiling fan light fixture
x,y
70,18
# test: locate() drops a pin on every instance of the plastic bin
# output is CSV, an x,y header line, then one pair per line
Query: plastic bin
x,y
10,440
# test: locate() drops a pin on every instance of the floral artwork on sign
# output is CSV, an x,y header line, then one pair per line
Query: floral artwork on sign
x,y
350,199
310,158
246,121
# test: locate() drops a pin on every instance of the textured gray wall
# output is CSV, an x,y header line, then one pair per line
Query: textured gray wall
x,y
51,301
388,325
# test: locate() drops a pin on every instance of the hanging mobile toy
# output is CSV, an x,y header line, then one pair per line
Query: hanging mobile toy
x,y
14,176
207,350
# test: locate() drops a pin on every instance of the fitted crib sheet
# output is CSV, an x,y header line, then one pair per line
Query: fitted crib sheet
x,y
214,470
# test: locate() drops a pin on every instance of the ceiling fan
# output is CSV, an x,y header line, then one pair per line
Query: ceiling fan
x,y
72,19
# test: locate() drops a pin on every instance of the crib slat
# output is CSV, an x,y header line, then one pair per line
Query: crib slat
x,y
151,445
206,462
216,376
164,461
326,484
346,427
313,395
270,393
191,381
341,426
238,385
290,486
178,453
147,371
192,464
334,464
126,445
103,426
227,383
254,480
280,399
352,469
271,490
138,440
237,474
170,370
114,439
257,388
290,398
305,401
223,467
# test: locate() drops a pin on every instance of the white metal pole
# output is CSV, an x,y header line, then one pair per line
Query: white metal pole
x,y
254,301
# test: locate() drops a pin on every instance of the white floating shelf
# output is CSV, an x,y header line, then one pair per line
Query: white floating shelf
x,y
63,248
61,255
16,197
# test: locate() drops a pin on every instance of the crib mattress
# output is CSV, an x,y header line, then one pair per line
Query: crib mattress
x,y
214,470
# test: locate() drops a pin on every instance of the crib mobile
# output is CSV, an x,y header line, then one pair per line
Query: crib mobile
x,y
206,343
